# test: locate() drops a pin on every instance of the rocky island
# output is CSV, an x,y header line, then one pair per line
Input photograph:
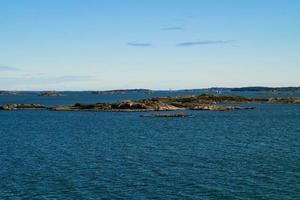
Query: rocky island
x,y
22,107
203,102
50,94
124,91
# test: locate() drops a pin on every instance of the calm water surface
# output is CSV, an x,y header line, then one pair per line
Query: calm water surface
x,y
248,154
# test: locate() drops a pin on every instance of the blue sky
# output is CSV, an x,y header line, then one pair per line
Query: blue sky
x,y
157,44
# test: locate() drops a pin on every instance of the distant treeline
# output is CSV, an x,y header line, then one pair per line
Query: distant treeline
x,y
122,91
266,89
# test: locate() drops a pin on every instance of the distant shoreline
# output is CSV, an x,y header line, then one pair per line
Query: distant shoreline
x,y
233,89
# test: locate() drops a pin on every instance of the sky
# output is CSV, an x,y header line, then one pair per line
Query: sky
x,y
155,44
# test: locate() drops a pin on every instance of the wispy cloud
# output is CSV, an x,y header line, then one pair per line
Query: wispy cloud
x,y
72,78
172,28
134,44
8,68
44,79
62,79
43,82
203,42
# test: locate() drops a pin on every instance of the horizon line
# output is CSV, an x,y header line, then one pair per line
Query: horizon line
x,y
169,89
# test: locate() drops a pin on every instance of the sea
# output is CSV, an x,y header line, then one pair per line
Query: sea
x,y
243,154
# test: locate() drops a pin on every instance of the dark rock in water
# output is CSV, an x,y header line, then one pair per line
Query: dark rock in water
x,y
22,107
50,94
248,108
167,115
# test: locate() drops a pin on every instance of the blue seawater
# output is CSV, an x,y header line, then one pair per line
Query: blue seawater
x,y
246,154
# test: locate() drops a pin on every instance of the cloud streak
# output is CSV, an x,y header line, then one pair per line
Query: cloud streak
x,y
204,42
172,28
71,78
44,79
134,44
7,68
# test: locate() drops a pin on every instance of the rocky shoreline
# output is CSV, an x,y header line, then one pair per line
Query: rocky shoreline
x,y
202,102
23,107
50,94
